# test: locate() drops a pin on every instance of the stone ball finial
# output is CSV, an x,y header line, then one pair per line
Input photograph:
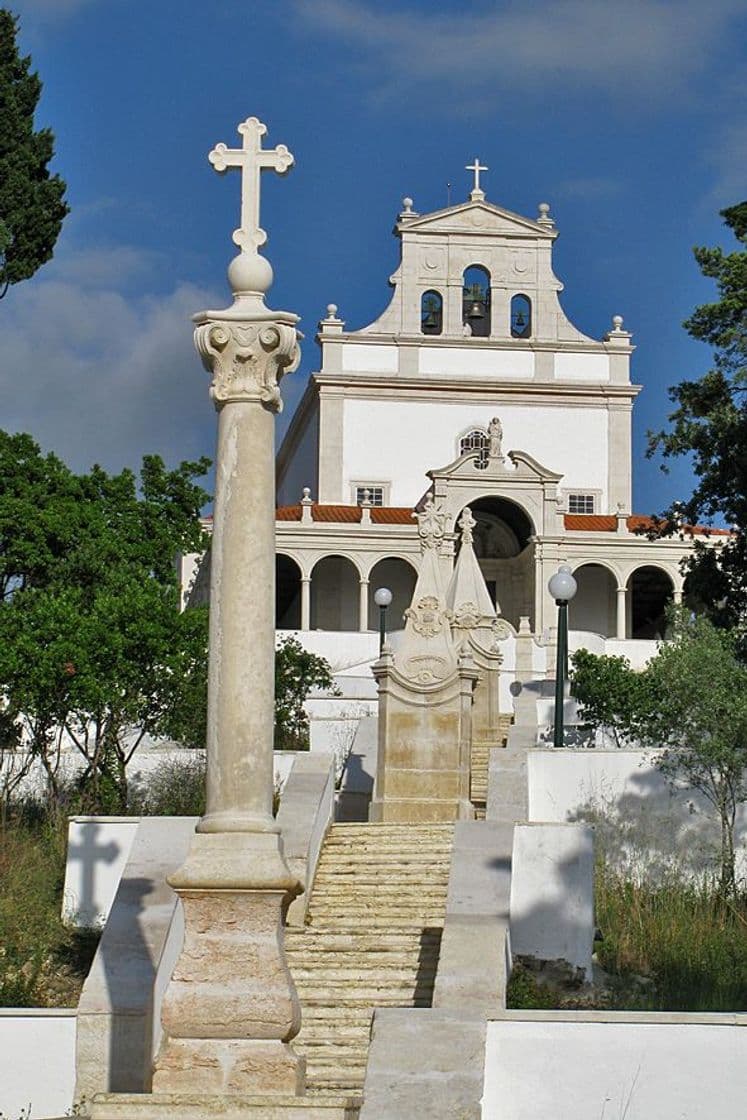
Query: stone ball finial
x,y
617,322
249,272
407,205
331,310
544,210
306,494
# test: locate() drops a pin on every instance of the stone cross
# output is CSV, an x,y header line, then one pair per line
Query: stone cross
x,y
477,167
251,159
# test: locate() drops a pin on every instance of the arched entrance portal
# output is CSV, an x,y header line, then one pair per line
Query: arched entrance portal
x,y
594,607
650,590
287,593
506,555
399,577
335,584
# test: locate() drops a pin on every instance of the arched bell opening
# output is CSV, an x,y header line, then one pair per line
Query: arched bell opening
x,y
335,584
650,590
594,606
505,553
476,312
399,576
287,593
521,316
431,312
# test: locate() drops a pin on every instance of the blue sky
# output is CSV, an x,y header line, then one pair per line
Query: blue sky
x,y
628,118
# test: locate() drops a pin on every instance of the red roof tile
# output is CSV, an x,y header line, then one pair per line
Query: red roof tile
x,y
636,523
341,515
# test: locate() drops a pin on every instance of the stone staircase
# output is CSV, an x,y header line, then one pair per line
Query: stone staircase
x,y
373,938
479,767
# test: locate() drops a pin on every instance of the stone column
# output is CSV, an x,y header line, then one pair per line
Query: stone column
x,y
231,1007
363,606
621,612
305,602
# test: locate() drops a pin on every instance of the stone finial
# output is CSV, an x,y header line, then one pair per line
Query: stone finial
x,y
544,218
331,321
617,333
476,194
466,525
407,209
306,504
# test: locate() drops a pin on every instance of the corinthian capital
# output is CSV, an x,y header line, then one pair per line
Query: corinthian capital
x,y
247,359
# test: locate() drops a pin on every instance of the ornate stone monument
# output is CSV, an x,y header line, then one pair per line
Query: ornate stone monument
x,y
231,1008
425,702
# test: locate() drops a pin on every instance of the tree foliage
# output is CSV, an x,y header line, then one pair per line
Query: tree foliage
x,y
93,645
32,205
690,703
709,424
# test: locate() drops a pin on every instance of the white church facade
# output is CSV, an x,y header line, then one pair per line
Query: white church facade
x,y
473,387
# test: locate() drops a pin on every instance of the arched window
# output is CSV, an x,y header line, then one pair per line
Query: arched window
x,y
521,317
431,313
476,440
476,300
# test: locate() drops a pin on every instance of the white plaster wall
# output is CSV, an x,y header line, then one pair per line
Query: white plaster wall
x,y
552,893
673,1069
367,358
646,824
473,362
302,469
582,367
97,850
594,606
37,1061
397,442
341,649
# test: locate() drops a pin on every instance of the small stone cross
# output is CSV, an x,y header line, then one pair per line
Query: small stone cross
x,y
477,167
251,159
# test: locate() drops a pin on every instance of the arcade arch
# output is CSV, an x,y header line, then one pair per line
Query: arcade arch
x,y
287,593
335,592
505,552
594,606
399,576
650,590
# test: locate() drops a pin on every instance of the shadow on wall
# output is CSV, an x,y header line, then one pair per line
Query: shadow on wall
x,y
651,830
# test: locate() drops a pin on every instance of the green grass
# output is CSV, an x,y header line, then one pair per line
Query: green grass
x,y
42,964
691,944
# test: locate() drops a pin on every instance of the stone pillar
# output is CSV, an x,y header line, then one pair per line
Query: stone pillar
x,y
677,597
363,606
231,1007
621,612
305,602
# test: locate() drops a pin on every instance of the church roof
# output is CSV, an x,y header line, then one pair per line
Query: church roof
x,y
636,523
380,515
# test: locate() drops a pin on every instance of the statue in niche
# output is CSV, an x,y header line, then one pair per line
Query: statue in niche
x,y
495,435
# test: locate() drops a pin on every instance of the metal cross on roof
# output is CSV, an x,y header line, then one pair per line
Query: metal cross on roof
x,y
251,159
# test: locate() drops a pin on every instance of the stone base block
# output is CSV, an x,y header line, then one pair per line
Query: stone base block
x,y
413,811
197,1106
230,1066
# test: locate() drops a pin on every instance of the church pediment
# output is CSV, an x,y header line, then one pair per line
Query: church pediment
x,y
516,466
477,217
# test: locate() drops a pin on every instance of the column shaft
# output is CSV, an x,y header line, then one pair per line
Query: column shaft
x,y
363,605
621,612
305,602
241,686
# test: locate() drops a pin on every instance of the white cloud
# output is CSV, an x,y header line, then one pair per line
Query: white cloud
x,y
102,266
100,376
648,47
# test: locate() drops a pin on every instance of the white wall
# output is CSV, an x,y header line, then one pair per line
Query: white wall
x,y
97,850
645,823
37,1061
673,1067
341,649
398,441
302,470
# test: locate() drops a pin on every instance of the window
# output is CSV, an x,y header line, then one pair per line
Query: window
x,y
521,317
374,494
580,503
476,440
476,300
431,313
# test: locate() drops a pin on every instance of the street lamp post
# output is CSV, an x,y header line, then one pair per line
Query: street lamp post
x,y
562,586
382,599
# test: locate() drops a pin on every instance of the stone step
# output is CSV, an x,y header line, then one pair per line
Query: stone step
x,y
318,940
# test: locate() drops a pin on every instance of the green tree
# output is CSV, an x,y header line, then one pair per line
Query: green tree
x,y
297,673
32,205
690,703
92,641
709,425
